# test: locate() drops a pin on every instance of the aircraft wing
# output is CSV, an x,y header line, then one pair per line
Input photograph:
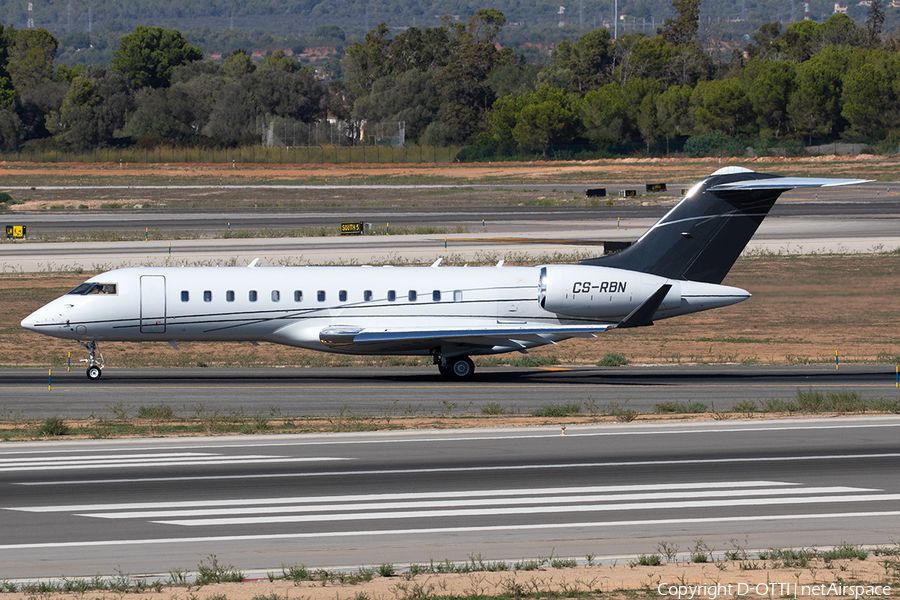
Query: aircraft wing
x,y
507,336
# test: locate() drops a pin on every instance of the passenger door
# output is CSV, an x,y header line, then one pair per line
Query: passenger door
x,y
153,304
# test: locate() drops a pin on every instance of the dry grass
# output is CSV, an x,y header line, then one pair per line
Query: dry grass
x,y
803,310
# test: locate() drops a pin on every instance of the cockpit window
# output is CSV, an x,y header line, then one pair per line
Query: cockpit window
x,y
94,288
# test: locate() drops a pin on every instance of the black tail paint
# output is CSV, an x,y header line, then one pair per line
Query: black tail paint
x,y
703,235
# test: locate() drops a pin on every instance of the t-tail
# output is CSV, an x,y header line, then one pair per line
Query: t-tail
x,y
703,235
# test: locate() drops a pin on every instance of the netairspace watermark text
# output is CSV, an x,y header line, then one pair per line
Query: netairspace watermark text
x,y
736,590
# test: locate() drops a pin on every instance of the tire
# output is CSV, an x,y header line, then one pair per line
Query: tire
x,y
94,373
461,368
444,370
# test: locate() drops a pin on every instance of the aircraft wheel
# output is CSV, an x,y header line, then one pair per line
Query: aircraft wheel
x,y
444,370
461,368
94,373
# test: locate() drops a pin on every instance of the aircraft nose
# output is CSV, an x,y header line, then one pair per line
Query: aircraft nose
x,y
40,318
31,321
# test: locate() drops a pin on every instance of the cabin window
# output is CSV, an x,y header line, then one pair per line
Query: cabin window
x,y
320,295
276,296
94,288
457,295
436,295
392,296
342,295
412,295
367,295
229,296
207,296
253,295
298,296
185,296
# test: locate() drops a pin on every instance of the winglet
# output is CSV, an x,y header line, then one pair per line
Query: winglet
x,y
643,314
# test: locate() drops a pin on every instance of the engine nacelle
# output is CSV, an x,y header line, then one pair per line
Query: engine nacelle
x,y
587,291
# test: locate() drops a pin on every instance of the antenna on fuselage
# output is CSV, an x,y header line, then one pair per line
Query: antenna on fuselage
x,y
254,263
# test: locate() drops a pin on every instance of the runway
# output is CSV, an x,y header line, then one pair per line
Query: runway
x,y
397,391
345,500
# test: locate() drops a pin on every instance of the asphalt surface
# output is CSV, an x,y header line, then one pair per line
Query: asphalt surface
x,y
346,500
870,201
417,390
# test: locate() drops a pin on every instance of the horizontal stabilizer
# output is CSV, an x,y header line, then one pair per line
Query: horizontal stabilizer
x,y
785,183
643,314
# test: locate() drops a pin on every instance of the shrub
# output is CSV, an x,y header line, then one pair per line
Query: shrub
x,y
613,359
493,408
53,426
556,410
711,144
156,411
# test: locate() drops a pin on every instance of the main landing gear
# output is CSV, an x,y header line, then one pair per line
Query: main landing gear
x,y
456,368
95,366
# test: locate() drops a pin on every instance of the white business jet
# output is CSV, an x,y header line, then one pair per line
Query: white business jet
x,y
449,313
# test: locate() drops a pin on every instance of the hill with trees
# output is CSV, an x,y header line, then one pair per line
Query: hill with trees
x,y
453,84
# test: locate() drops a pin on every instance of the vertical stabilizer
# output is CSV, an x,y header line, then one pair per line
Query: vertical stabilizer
x,y
703,235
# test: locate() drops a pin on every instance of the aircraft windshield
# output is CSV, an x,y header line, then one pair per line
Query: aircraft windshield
x,y
94,288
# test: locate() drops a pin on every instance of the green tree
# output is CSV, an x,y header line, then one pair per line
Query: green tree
x,y
465,94
279,61
366,62
290,95
722,105
765,41
798,40
868,101
421,50
682,28
535,120
673,113
238,64
7,89
411,97
234,119
148,56
814,106
604,114
839,30
162,115
589,59
874,23
514,79
769,85
31,57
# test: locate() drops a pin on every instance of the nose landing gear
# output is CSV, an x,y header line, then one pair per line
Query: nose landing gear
x,y
95,366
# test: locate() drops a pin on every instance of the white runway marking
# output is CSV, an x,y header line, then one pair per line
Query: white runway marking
x,y
554,466
450,530
130,461
471,503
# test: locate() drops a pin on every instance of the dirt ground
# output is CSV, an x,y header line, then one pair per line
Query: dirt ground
x,y
875,577
598,171
803,309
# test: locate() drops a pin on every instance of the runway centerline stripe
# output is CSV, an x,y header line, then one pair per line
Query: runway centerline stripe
x,y
212,460
527,510
405,496
446,530
356,473
87,457
483,502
